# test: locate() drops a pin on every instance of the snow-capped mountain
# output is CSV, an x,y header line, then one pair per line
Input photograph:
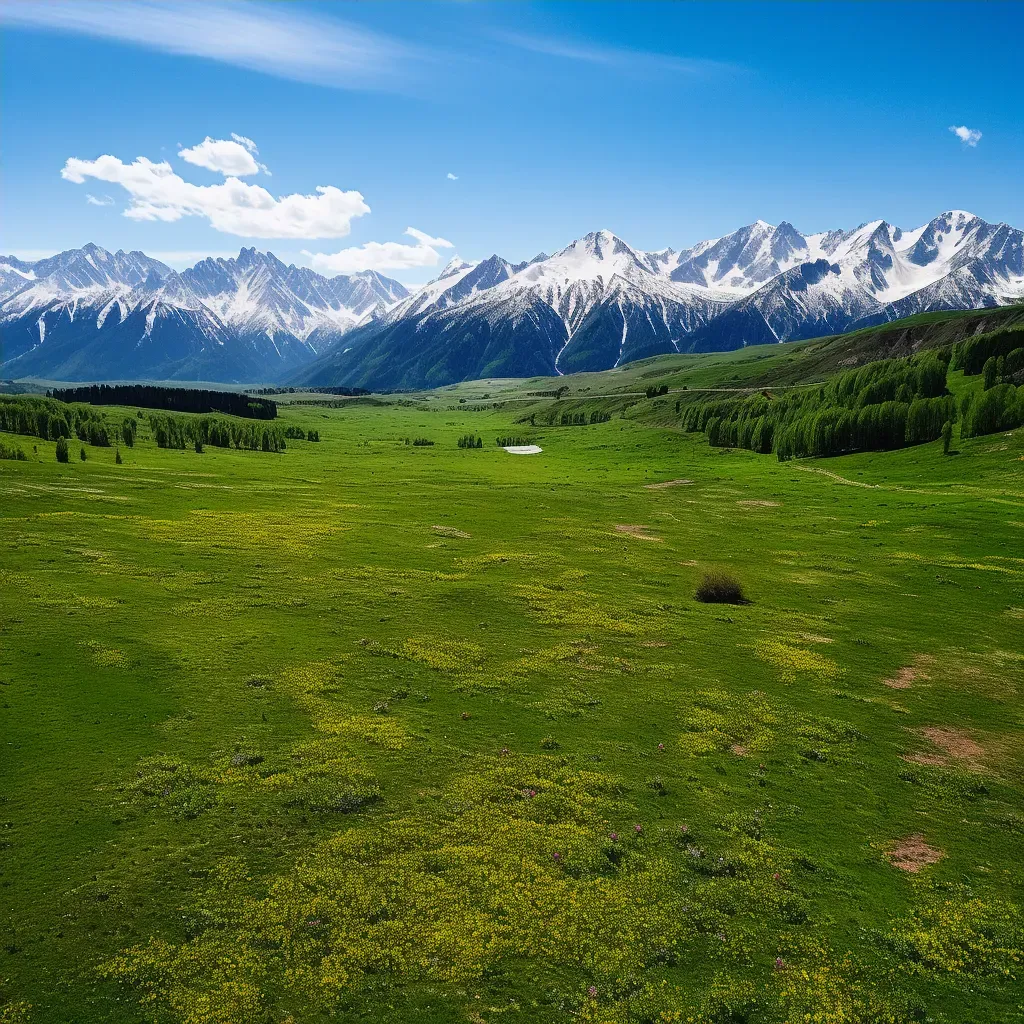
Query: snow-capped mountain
x,y
597,303
89,314
874,274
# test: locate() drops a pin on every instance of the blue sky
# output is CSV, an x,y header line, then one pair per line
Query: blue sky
x,y
666,123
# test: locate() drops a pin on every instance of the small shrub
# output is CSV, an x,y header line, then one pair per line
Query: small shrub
x,y
549,743
422,442
720,588
11,451
117,456
81,454
199,447
62,449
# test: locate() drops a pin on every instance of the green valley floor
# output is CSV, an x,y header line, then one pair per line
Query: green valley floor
x,y
369,731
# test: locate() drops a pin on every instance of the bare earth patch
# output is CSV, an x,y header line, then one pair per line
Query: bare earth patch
x,y
639,532
906,676
954,742
450,531
913,853
903,679
761,503
667,483
739,750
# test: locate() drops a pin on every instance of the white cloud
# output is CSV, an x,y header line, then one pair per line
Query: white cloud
x,y
382,255
224,155
98,200
251,146
452,177
274,39
968,136
234,207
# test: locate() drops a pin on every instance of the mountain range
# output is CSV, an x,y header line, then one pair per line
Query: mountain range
x,y
88,314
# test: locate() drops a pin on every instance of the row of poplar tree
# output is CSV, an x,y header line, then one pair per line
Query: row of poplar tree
x,y
891,403
49,420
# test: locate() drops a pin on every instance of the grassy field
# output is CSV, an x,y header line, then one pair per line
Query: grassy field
x,y
365,731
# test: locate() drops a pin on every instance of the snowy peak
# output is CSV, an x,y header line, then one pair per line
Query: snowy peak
x,y
479,278
456,265
256,292
597,251
743,260
93,267
941,238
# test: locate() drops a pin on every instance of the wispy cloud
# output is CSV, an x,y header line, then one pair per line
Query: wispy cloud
x,y
274,39
382,255
968,136
452,177
234,207
615,57
98,200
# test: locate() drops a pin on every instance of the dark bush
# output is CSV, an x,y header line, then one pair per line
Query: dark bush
x,y
62,450
720,588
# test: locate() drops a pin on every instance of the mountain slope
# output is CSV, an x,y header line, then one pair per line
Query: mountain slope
x,y
88,314
596,303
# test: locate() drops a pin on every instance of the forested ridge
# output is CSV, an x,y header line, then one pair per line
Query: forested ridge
x,y
150,396
891,403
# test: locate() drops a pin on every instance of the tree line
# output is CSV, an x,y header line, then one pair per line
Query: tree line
x,y
346,392
151,396
171,431
891,403
298,434
971,354
49,420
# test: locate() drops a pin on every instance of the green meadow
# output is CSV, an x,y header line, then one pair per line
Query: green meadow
x,y
370,731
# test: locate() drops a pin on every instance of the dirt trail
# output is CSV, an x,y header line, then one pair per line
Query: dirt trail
x,y
666,483
637,532
871,487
